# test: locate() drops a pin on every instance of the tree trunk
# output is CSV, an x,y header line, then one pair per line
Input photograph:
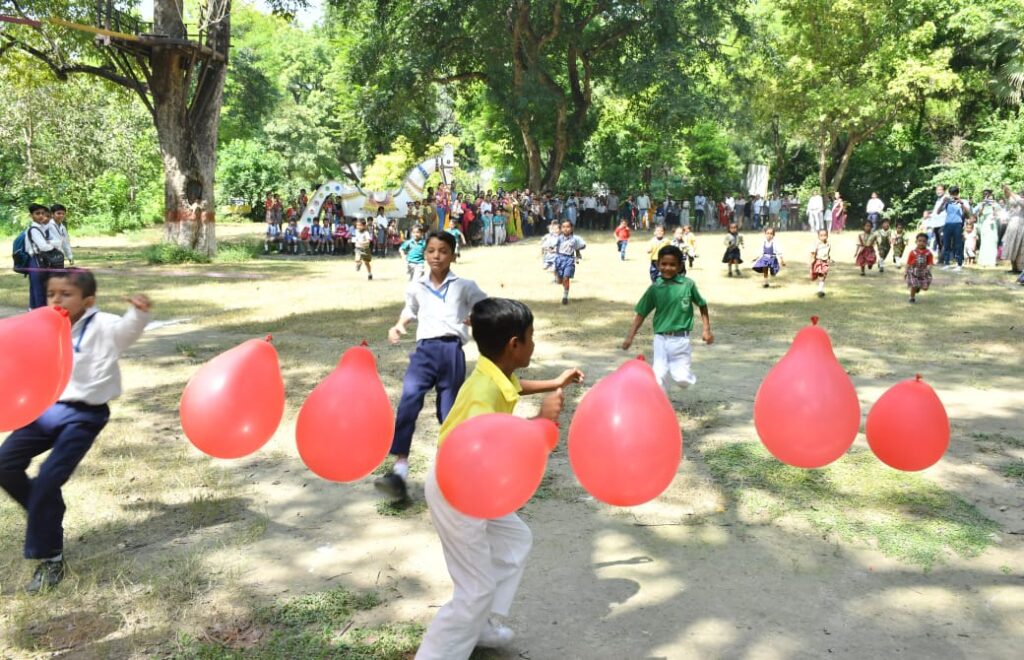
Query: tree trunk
x,y
844,162
824,153
533,167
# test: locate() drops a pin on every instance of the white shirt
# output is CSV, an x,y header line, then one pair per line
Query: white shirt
x,y
730,202
381,221
441,311
485,207
643,202
362,239
699,201
875,205
613,202
815,203
39,238
60,234
98,340
590,202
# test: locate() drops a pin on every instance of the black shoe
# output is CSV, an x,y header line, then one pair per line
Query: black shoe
x,y
565,301
393,486
821,294
48,575
370,276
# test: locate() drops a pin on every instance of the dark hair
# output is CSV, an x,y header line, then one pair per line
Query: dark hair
x,y
58,207
495,321
671,250
443,236
921,235
32,208
954,190
80,278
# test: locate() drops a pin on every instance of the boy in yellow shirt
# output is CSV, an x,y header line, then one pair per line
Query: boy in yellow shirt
x,y
486,557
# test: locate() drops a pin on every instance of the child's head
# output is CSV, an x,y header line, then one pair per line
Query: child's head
x,y
566,228
678,233
686,229
769,233
867,226
670,261
899,229
823,235
659,231
73,289
58,211
622,223
503,331
361,224
380,210
921,240
417,232
885,224
733,228
954,191
38,212
439,252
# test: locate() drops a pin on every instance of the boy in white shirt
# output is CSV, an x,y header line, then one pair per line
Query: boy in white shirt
x,y
68,428
362,241
44,253
60,231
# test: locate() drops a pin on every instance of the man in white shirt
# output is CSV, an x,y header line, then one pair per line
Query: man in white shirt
x,y
643,205
816,213
699,208
589,211
68,428
874,209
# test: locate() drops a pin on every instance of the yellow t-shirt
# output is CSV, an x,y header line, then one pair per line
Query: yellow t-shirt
x,y
487,390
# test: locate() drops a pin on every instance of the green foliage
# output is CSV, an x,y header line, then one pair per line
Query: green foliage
x,y
246,169
388,170
235,253
995,157
170,253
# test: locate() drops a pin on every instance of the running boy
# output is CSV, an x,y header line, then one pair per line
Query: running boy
x,y
567,255
547,247
412,249
440,302
68,428
672,299
486,558
622,238
361,242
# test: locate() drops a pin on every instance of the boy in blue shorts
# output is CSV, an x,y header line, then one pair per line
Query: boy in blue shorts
x,y
671,298
567,255
440,302
68,428
486,557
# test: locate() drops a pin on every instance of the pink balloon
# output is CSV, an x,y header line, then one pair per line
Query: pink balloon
x,y
35,364
346,425
908,428
806,410
491,465
233,405
625,443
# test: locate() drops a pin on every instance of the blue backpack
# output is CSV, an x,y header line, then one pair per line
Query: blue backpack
x,y
20,255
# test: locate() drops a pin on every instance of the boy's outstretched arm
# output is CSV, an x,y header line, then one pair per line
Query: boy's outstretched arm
x,y
705,318
566,378
637,322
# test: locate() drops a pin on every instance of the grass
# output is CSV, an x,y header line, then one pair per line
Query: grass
x,y
856,499
1014,470
165,254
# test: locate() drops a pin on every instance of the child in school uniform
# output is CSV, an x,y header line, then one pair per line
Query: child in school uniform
x,y
486,557
899,244
499,223
439,301
771,259
43,251
362,242
412,249
68,428
866,257
60,231
884,243
460,240
658,241
733,243
919,267
340,237
689,246
672,299
567,255
291,238
622,238
272,237
548,245
821,260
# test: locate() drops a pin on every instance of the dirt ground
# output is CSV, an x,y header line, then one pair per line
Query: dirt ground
x,y
691,574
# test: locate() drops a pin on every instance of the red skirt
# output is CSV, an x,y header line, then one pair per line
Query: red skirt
x,y
867,257
819,268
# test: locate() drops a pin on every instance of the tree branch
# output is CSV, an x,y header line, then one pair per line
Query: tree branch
x,y
556,24
460,77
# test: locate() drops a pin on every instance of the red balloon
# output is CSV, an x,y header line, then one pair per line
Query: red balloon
x,y
233,405
624,441
490,465
806,410
35,364
346,425
908,427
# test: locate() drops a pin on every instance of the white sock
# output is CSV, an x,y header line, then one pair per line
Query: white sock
x,y
821,285
401,469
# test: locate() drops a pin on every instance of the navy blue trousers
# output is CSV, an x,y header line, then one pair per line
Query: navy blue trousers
x,y
953,243
435,364
36,285
69,429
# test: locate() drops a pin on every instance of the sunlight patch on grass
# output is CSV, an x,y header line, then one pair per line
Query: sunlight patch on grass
x,y
857,499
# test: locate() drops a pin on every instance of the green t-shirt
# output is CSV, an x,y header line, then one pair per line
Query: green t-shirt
x,y
672,303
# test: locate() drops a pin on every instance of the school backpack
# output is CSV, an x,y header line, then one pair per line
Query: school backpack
x,y
305,234
19,254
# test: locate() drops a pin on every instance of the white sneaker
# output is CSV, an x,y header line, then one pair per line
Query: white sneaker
x,y
958,269
494,635
945,267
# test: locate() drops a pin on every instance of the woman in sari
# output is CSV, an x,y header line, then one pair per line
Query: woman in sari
x,y
1013,239
838,213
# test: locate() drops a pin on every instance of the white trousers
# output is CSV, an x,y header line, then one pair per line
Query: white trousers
x,y
486,559
413,270
672,361
816,219
499,235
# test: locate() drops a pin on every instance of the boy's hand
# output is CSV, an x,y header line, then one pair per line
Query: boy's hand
x,y
140,302
551,406
708,337
395,333
569,377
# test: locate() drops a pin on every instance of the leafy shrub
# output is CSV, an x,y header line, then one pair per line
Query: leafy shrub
x,y
234,253
168,253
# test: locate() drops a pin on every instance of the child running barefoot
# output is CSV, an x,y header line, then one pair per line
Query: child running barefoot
x,y
733,243
440,302
68,428
821,260
486,558
884,242
567,255
771,257
919,267
362,241
658,241
547,247
690,245
899,244
672,299
865,255
622,238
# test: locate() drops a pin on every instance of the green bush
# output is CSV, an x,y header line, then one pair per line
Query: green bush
x,y
234,253
167,253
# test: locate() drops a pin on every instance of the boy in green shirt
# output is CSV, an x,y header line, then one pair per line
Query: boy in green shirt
x,y
671,298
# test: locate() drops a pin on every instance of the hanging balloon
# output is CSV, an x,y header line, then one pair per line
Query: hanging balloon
x,y
491,465
624,441
806,410
345,427
35,364
233,405
908,428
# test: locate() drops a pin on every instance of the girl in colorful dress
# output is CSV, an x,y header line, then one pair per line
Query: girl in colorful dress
x,y
919,267
821,261
865,255
771,258
733,243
